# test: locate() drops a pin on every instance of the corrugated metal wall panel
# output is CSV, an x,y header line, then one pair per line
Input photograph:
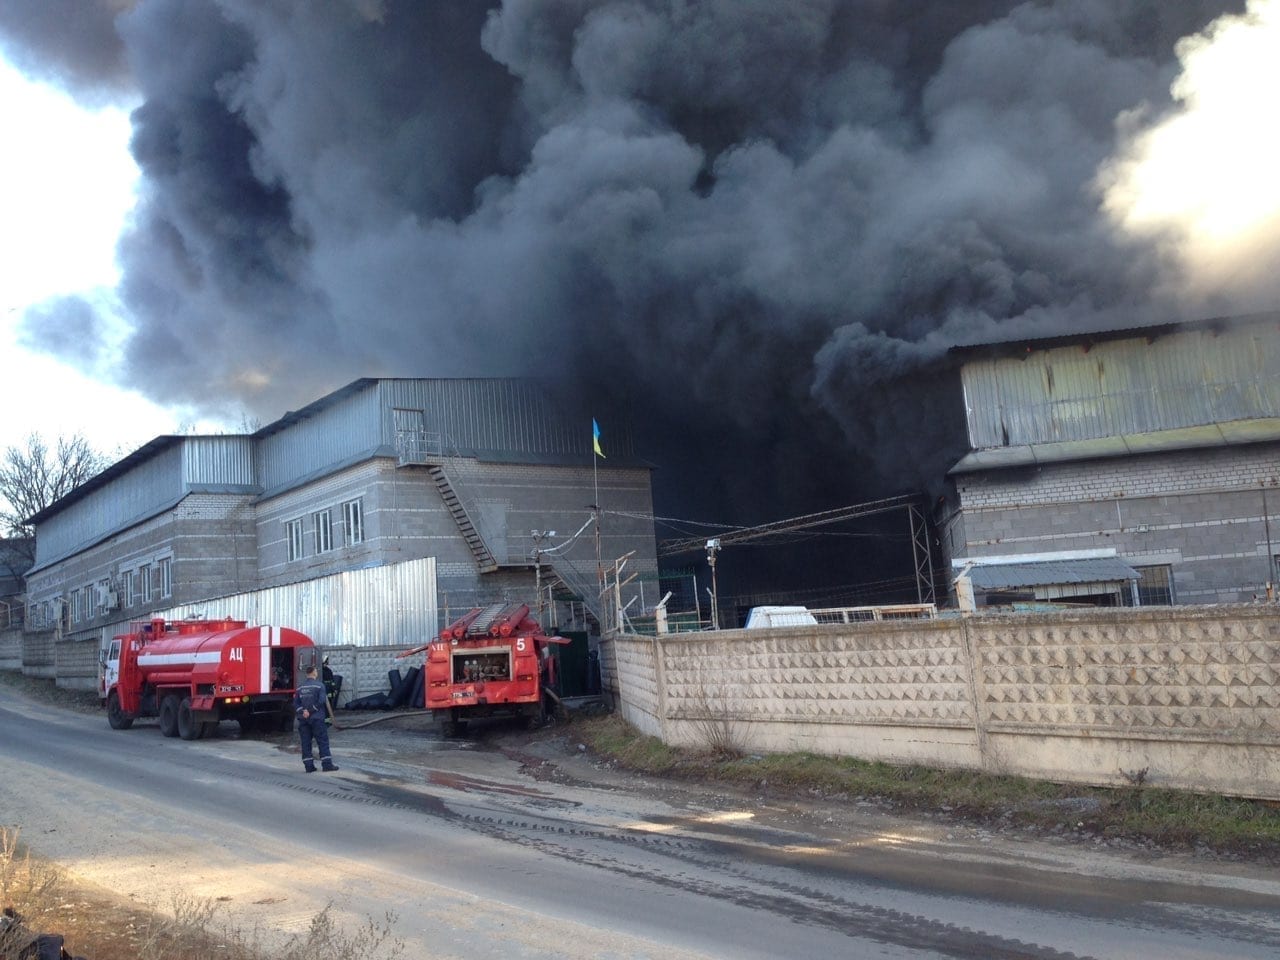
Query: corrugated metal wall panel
x,y
377,606
1123,387
334,435
143,490
497,415
218,460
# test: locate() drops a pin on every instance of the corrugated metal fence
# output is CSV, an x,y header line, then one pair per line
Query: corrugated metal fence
x,y
391,605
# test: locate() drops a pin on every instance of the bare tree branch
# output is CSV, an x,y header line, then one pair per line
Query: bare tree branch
x,y
33,476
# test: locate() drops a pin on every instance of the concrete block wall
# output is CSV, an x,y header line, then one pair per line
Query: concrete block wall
x,y
208,538
1190,695
76,664
1205,513
11,648
214,546
358,482
38,655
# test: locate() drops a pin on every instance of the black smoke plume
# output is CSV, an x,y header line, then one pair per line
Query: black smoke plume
x,y
759,225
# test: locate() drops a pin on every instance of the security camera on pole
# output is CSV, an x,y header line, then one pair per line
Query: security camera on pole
x,y
713,546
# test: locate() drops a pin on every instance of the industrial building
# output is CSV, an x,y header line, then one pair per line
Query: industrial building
x,y
1129,467
487,476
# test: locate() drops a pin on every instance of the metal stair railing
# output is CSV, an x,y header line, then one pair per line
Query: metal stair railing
x,y
485,559
584,586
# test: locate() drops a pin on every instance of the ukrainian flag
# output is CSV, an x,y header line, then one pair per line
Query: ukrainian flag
x,y
595,438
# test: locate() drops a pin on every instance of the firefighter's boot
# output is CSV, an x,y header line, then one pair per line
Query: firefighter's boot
x,y
328,765
309,766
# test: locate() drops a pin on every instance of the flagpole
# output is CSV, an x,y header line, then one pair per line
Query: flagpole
x,y
595,480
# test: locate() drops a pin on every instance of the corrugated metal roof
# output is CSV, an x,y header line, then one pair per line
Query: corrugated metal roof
x,y
1149,331
996,576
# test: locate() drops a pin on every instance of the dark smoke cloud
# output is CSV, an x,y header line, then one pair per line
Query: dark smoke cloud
x,y
760,224
69,43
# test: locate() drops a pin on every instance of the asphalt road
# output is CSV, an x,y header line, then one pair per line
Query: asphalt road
x,y
479,854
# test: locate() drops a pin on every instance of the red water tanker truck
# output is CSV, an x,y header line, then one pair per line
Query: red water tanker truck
x,y
494,662
193,674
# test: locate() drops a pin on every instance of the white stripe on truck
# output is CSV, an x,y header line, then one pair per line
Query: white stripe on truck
x,y
264,656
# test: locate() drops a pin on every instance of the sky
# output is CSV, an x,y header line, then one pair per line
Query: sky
x,y
754,229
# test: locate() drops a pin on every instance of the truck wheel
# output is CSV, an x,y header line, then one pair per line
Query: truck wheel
x,y
209,728
534,717
118,719
169,716
188,727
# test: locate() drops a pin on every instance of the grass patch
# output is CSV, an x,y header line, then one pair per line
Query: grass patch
x,y
1136,813
614,737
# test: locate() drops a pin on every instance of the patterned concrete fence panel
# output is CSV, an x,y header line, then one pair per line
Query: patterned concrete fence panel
x,y
1182,697
889,690
76,664
38,656
11,649
370,668
632,662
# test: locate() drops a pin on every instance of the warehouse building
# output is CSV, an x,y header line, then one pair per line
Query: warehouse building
x,y
487,476
1143,464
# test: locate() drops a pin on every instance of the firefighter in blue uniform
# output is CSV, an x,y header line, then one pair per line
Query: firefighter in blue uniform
x,y
310,705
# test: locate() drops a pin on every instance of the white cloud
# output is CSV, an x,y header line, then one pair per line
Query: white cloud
x,y
67,185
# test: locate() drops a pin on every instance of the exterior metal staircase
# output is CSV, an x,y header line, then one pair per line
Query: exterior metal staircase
x,y
484,557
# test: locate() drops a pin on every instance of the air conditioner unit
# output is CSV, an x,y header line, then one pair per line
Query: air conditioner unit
x,y
111,601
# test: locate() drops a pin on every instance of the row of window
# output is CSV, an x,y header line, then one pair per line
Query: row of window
x,y
322,524
135,587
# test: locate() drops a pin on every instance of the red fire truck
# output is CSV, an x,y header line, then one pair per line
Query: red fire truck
x,y
192,674
494,662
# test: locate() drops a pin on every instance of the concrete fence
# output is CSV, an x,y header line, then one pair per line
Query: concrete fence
x,y
10,648
1190,695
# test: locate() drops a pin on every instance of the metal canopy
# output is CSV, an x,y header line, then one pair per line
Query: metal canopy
x,y
997,576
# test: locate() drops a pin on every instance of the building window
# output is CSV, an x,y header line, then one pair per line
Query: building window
x,y
353,522
322,520
126,587
75,606
293,538
1155,589
144,581
89,597
166,577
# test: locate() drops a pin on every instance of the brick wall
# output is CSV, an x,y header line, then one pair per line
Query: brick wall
x,y
1205,513
1188,694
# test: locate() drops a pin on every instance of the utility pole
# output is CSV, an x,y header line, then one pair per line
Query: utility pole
x,y
538,537
600,601
713,546
1271,555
